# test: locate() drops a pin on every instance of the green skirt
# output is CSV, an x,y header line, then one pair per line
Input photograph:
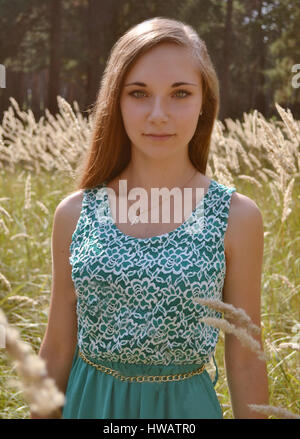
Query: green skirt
x,y
93,394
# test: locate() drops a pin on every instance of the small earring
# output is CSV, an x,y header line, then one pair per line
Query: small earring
x,y
201,113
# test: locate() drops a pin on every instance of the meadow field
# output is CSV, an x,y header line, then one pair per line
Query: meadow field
x,y
38,162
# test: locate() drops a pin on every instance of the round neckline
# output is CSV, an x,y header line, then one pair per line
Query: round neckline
x,y
156,237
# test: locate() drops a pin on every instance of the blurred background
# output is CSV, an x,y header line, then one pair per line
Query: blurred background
x,y
60,47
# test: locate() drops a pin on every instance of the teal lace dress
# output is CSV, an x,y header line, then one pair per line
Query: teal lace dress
x,y
136,313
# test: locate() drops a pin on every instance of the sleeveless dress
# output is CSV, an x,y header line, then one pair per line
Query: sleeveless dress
x,y
136,314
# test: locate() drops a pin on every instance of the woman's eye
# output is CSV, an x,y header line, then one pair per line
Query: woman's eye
x,y
135,91
184,91
178,91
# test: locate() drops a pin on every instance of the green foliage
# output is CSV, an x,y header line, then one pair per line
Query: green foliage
x,y
256,46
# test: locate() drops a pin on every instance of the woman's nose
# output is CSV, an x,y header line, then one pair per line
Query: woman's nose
x,y
157,109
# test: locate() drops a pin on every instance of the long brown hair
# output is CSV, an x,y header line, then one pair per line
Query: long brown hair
x,y
109,151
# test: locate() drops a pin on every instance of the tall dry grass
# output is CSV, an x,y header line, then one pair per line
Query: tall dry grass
x,y
259,157
38,388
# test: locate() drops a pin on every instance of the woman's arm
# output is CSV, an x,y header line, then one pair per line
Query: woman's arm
x,y
59,342
246,373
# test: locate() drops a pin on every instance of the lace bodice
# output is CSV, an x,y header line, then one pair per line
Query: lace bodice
x,y
135,296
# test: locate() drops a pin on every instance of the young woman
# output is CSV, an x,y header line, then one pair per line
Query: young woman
x,y
124,338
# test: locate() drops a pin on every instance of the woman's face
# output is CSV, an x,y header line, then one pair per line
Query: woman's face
x,y
158,105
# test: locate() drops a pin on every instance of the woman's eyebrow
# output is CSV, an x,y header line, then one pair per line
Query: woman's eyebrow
x,y
176,84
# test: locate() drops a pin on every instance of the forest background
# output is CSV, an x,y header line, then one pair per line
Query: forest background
x,y
60,47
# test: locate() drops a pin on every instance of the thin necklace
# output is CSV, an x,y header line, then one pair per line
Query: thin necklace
x,y
138,216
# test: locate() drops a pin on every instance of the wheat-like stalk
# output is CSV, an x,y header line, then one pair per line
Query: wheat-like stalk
x,y
20,235
5,281
2,210
287,200
274,192
252,180
255,160
238,314
273,411
295,346
43,207
27,192
39,389
22,299
279,154
289,122
262,175
4,226
241,333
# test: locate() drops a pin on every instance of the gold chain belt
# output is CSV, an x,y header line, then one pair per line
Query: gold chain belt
x,y
139,378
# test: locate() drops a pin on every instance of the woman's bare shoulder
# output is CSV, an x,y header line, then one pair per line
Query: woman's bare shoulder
x,y
242,206
244,216
68,211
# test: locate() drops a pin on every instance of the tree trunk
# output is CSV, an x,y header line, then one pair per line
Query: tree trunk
x,y
260,102
55,54
101,29
225,95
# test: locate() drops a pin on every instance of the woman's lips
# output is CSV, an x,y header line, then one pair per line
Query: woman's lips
x,y
155,137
